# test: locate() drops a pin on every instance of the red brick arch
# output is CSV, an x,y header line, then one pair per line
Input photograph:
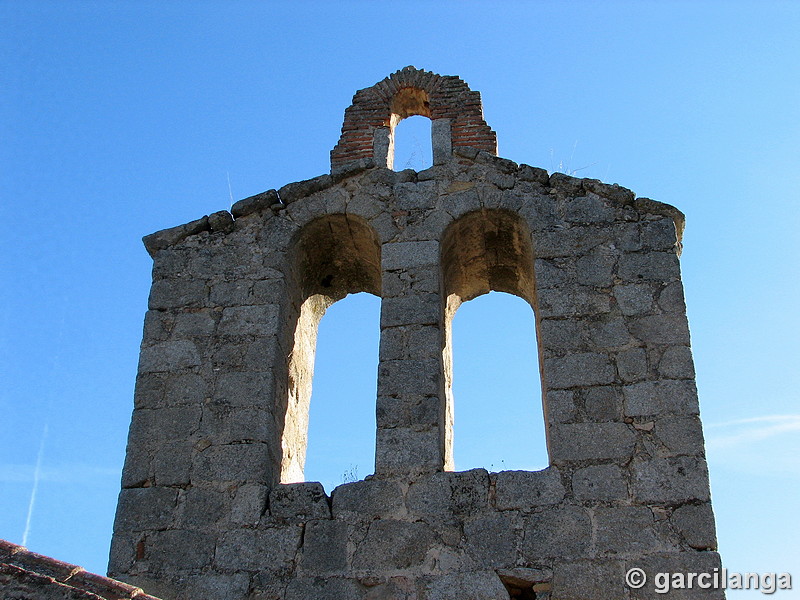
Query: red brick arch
x,y
412,92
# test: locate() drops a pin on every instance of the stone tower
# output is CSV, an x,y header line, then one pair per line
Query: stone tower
x,y
213,503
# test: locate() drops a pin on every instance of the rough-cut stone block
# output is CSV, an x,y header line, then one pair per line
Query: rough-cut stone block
x,y
249,320
671,563
677,363
602,403
529,173
221,222
626,530
211,586
232,462
270,550
393,545
201,507
599,441
409,377
524,490
649,266
408,255
595,269
632,365
599,482
177,293
369,499
169,356
300,189
584,579
557,532
659,234
661,329
324,547
178,549
450,493
168,237
650,398
560,406
477,585
420,309
405,450
243,389
258,203
299,501
608,333
588,209
141,509
670,480
491,539
172,463
671,298
248,504
304,588
681,435
634,298
572,301
695,523
578,370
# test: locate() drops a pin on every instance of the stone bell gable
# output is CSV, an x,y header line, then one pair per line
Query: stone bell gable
x,y
213,501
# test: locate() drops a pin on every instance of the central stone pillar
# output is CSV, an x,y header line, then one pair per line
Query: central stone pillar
x,y
410,405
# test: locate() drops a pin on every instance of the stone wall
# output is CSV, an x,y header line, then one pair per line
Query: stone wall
x,y
213,504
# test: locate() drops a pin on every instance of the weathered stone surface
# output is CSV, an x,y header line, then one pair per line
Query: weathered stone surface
x,y
557,532
324,547
169,356
626,530
299,501
576,370
525,490
303,588
578,580
681,435
492,539
670,480
599,482
146,508
676,562
660,397
270,549
695,522
369,499
409,544
480,585
600,441
448,493
252,204
169,237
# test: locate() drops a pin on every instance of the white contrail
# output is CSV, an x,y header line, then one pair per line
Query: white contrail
x,y
37,473
230,190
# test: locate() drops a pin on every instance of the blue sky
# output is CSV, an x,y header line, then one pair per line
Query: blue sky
x,y
119,119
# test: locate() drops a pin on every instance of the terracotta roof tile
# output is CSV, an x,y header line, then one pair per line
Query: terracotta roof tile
x,y
21,567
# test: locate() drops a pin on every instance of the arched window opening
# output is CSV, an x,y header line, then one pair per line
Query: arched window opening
x,y
499,423
481,252
333,256
341,430
412,144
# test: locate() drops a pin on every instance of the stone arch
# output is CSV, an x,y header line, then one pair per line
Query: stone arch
x,y
456,112
481,251
332,256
